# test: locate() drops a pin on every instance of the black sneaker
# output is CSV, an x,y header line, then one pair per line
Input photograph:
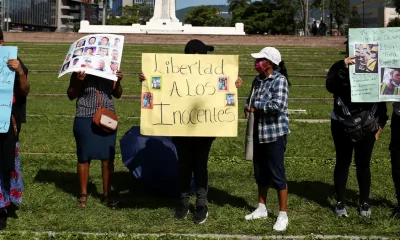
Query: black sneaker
x,y
3,218
181,211
201,214
364,210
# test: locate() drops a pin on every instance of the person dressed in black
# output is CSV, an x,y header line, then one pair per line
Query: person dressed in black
x,y
11,185
345,111
394,148
193,155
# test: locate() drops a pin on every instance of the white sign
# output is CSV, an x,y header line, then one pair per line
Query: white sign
x,y
99,55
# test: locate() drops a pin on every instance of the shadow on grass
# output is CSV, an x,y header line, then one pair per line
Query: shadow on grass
x,y
66,181
320,193
131,193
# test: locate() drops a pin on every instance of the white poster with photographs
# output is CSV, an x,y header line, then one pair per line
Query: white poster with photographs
x,y
99,55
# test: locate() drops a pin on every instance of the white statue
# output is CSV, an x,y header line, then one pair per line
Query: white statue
x,y
164,11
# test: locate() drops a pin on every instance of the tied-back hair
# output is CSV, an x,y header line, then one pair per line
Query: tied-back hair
x,y
282,70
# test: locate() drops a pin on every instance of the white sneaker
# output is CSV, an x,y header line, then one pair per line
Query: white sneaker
x,y
257,214
281,223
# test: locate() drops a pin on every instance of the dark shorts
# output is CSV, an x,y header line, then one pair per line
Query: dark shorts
x,y
268,160
91,142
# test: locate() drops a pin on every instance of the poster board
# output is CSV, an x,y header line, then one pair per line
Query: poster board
x,y
189,95
99,55
7,78
375,76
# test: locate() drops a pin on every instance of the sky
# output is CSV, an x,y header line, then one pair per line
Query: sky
x,y
188,3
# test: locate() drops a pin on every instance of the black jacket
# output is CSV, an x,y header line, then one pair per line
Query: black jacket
x,y
338,83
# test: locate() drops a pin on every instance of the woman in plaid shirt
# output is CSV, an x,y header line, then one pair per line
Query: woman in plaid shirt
x,y
268,101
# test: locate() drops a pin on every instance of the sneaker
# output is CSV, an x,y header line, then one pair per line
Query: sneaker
x,y
201,214
340,209
3,218
257,214
281,223
181,211
364,210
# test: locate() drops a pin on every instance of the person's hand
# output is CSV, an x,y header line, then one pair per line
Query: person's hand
x,y
349,60
142,77
81,75
239,82
247,110
119,75
378,134
15,65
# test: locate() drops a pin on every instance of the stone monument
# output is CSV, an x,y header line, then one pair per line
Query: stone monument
x,y
164,21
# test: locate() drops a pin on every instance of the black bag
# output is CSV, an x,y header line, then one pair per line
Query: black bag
x,y
361,125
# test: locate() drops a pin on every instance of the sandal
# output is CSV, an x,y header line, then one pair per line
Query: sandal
x,y
82,200
109,203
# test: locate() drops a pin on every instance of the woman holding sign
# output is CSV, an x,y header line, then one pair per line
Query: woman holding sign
x,y
268,101
355,127
92,142
193,155
11,185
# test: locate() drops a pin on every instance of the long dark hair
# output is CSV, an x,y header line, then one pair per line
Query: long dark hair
x,y
282,70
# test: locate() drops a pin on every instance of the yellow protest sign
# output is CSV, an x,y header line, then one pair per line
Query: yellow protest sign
x,y
189,95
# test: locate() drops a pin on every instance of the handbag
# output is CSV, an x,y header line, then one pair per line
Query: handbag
x,y
104,118
361,125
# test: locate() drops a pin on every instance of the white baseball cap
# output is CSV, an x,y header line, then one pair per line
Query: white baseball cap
x,y
269,53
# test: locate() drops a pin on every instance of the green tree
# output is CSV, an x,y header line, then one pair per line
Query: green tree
x,y
205,16
267,16
235,4
396,4
340,10
130,15
394,23
354,19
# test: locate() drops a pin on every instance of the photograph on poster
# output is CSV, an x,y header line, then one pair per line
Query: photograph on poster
x,y
390,83
366,61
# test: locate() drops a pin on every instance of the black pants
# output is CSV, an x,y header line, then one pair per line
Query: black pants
x,y
362,157
193,158
395,153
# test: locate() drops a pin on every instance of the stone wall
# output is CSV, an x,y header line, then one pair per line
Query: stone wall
x,y
261,40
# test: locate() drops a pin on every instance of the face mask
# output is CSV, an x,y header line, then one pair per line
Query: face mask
x,y
258,67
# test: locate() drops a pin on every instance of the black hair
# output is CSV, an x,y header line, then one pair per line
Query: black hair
x,y
1,35
282,70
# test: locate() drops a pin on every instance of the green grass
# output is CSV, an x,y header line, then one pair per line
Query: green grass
x,y
49,162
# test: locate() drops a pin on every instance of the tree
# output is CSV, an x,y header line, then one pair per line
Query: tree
x,y
396,4
354,19
340,10
303,8
205,16
235,4
267,16
130,15
394,23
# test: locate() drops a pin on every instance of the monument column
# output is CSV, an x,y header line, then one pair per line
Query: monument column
x,y
164,11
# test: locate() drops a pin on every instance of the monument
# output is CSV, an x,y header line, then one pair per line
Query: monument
x,y
164,21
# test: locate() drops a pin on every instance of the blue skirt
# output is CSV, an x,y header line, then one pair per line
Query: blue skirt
x,y
91,142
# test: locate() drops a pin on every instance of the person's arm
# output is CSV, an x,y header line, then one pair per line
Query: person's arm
x,y
22,84
338,75
117,91
279,97
75,85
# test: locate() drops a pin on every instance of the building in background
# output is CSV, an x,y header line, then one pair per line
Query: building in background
x,y
28,15
375,13
149,2
116,6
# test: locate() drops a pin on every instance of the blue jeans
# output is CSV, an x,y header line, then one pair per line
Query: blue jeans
x,y
268,160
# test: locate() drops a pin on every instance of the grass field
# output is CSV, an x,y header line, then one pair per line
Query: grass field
x,y
51,183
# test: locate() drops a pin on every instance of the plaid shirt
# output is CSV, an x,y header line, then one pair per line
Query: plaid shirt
x,y
269,97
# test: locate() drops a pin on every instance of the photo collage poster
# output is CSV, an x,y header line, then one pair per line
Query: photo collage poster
x,y
99,55
375,74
